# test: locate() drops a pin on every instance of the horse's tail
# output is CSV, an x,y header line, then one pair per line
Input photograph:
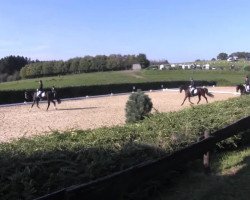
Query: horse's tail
x,y
26,96
208,93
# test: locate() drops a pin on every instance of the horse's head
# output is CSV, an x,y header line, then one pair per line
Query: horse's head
x,y
183,87
237,88
240,87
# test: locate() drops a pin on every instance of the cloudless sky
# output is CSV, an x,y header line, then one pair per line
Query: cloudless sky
x,y
176,30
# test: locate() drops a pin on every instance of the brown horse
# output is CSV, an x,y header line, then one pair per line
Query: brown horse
x,y
48,95
200,92
242,89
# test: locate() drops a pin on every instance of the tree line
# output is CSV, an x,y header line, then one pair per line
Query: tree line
x,y
17,67
10,67
240,55
85,64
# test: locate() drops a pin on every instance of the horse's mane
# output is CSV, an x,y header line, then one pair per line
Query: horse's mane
x,y
184,87
240,86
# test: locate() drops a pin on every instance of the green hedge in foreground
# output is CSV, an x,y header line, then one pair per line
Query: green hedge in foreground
x,y
40,165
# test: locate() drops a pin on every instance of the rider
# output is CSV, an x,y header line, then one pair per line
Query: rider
x,y
40,89
192,86
53,90
247,83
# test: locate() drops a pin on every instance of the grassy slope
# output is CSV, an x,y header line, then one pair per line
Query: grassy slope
x,y
223,63
230,179
222,77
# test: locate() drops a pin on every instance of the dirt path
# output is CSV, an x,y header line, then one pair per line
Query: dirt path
x,y
18,121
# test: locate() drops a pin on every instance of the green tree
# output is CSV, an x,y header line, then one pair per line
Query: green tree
x,y
128,61
58,67
23,72
47,68
222,56
142,59
99,63
85,63
66,67
74,65
115,62
241,55
11,66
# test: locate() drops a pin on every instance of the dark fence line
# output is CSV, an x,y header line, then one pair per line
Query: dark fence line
x,y
114,185
17,96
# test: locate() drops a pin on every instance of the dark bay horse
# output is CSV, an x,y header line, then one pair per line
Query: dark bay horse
x,y
242,89
48,95
200,92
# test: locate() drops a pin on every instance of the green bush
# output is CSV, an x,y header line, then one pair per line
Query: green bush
x,y
138,107
247,68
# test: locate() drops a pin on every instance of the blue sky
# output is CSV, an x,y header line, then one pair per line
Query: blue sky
x,y
176,30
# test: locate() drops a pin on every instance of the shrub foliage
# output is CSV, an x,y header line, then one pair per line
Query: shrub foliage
x,y
138,107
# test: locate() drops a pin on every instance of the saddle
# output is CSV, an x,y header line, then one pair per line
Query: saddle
x,y
193,91
40,94
247,88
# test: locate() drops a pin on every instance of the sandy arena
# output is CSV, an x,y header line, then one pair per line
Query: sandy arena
x,y
90,113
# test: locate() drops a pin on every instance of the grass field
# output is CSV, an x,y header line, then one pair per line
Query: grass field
x,y
221,77
239,65
230,179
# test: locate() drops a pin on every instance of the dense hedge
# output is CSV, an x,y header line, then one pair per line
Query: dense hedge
x,y
43,164
17,96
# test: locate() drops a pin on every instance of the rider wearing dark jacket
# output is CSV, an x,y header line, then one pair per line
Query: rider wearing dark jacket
x,y
192,86
247,80
40,89
247,83
53,90
192,83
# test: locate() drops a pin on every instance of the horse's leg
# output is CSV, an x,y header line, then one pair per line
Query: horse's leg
x,y
48,105
54,104
33,104
184,100
37,104
199,96
205,97
190,100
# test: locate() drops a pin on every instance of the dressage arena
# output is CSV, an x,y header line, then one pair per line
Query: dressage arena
x,y
89,113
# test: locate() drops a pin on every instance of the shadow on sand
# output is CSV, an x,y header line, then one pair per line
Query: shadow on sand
x,y
85,108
